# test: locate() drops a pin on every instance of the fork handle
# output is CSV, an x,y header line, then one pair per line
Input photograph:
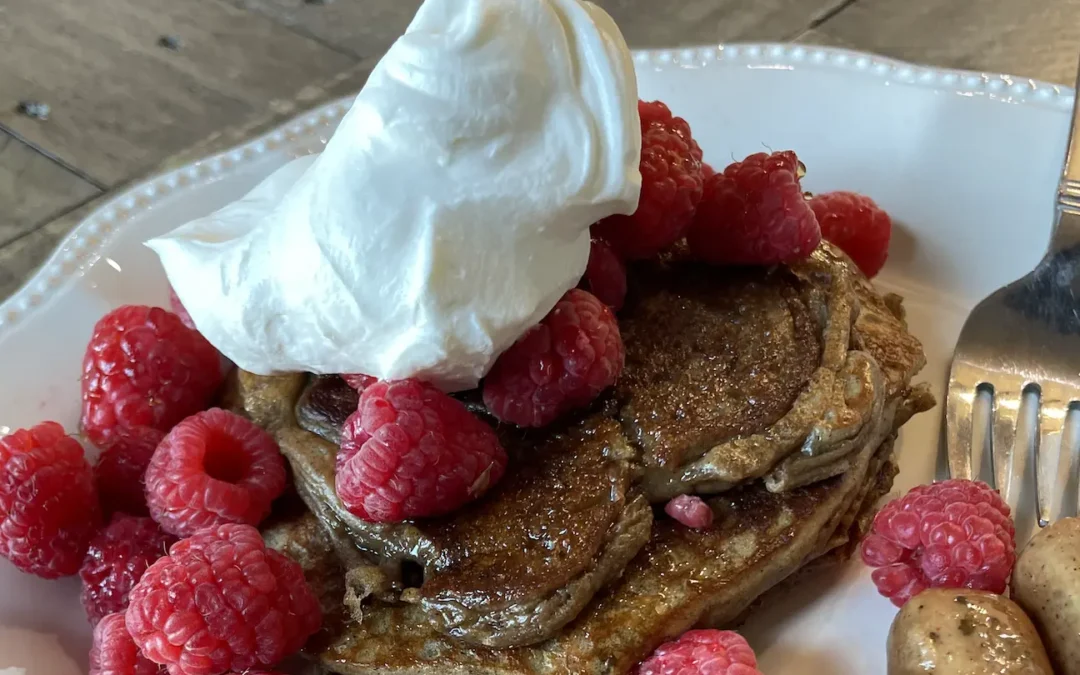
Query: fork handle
x,y
1066,235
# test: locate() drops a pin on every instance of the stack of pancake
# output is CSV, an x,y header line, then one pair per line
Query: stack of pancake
x,y
774,394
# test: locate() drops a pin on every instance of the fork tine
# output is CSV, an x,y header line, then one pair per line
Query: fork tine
x,y
958,414
1054,402
1052,411
1068,452
1006,409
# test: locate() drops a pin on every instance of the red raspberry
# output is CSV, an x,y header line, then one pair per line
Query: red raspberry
x,y
222,601
755,213
560,365
857,225
690,510
411,451
179,310
605,276
120,470
48,505
118,556
114,652
359,381
702,652
953,534
671,187
214,467
144,367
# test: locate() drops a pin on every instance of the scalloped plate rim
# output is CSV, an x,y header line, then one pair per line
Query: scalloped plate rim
x,y
60,269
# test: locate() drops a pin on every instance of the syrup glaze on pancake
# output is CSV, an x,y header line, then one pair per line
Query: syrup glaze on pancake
x,y
712,354
515,566
692,413
681,579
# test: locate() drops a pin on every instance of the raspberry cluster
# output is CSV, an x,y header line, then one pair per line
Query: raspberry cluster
x,y
217,600
411,451
701,652
214,467
116,560
671,187
144,367
560,365
954,534
755,213
48,505
857,225
148,377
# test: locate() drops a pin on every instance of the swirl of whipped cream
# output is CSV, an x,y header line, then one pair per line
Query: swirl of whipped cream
x,y
447,214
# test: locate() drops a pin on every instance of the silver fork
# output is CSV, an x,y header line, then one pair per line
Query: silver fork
x,y
1025,338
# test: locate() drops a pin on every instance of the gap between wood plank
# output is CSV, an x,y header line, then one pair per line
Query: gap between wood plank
x,y
53,158
299,30
825,16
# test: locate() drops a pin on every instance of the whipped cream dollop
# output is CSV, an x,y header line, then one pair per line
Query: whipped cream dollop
x,y
445,217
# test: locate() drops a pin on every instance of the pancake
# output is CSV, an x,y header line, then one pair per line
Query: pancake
x,y
738,374
765,390
683,578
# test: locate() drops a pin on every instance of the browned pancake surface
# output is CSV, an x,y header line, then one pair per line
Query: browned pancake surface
x,y
516,565
714,358
712,354
540,527
681,577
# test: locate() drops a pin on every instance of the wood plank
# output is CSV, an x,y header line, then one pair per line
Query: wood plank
x,y
366,28
363,28
648,23
1036,38
120,102
19,258
34,188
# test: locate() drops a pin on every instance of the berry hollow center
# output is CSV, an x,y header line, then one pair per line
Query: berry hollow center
x,y
225,460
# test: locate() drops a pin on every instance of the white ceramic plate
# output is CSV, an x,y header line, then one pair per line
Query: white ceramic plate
x,y
966,163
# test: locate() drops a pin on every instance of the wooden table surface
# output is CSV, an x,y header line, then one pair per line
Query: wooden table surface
x,y
124,105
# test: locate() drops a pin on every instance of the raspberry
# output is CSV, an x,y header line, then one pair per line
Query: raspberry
x,y
179,310
559,365
689,510
118,556
48,505
605,275
411,451
120,470
755,213
214,467
222,601
857,225
702,652
144,367
113,652
359,381
671,187
953,534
